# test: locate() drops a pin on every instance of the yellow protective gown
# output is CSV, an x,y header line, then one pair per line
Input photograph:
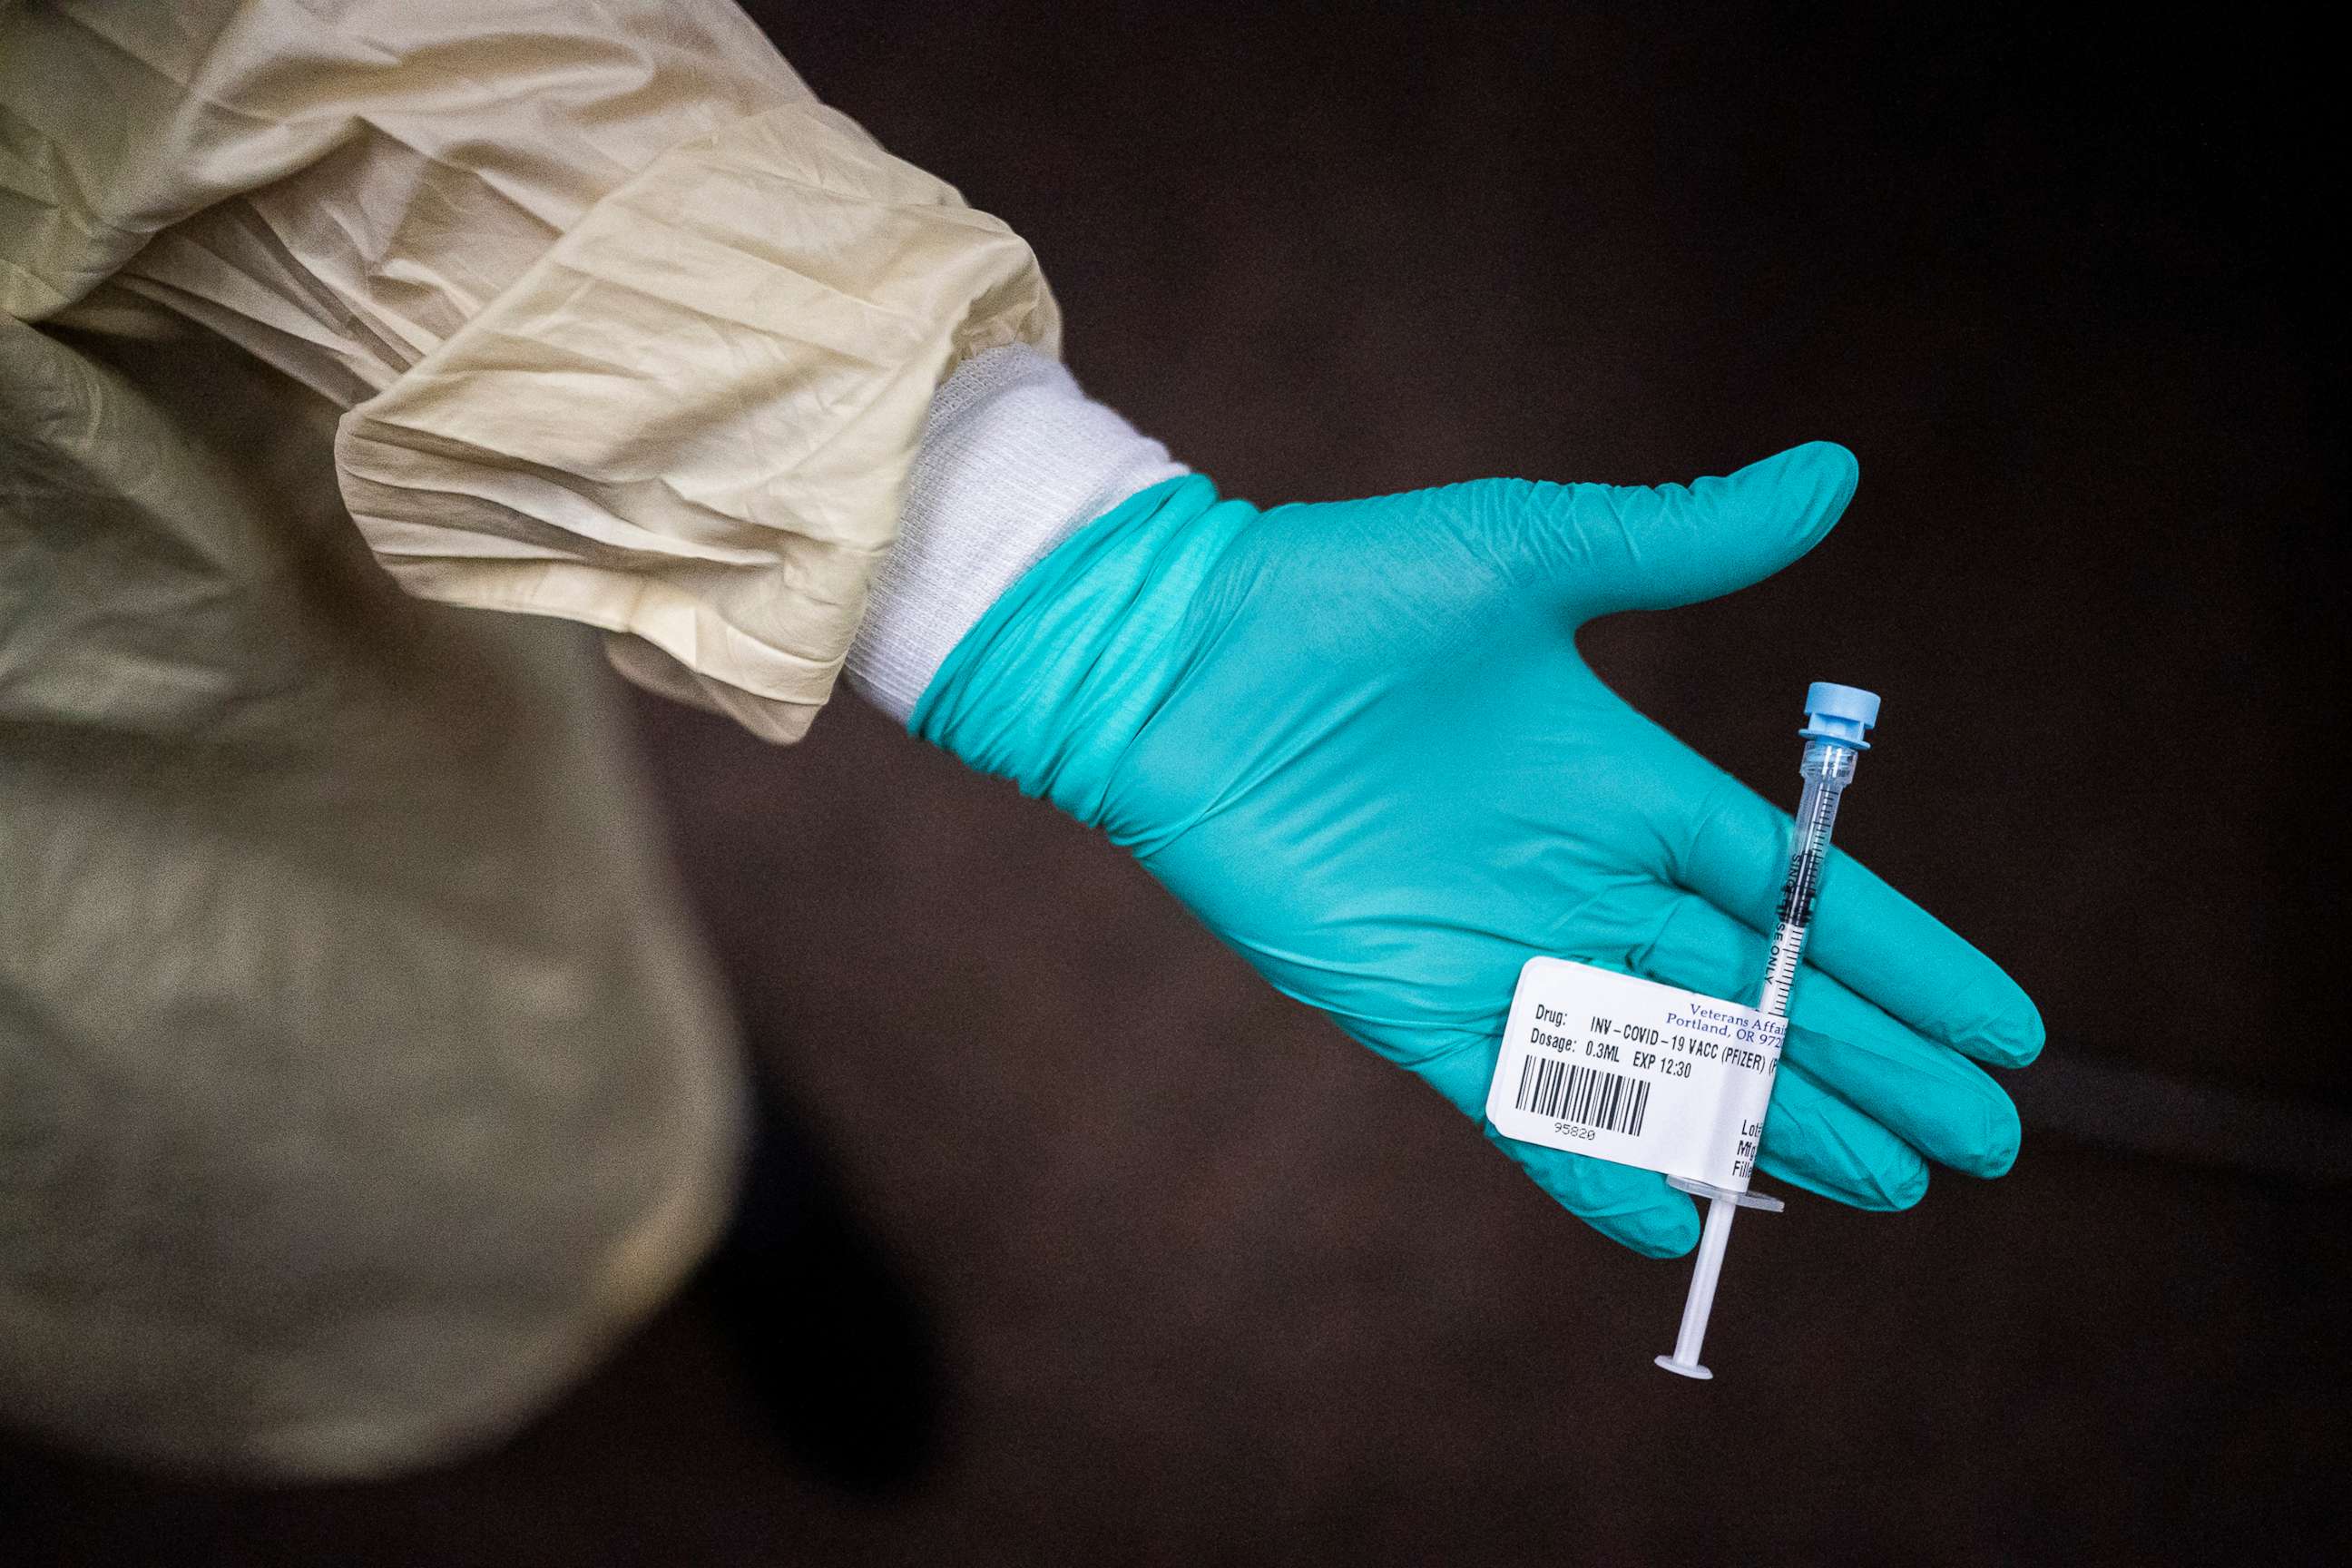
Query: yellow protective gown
x,y
360,1077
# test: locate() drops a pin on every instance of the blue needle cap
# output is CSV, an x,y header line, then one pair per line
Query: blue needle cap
x,y
1839,713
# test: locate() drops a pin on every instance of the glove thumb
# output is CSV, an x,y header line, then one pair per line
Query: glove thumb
x,y
1611,547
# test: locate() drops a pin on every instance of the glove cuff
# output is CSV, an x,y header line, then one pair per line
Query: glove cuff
x,y
1014,459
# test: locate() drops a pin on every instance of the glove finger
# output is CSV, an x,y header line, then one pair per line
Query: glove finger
x,y
1624,547
1946,1106
1815,1140
1625,1204
1734,853
1631,1207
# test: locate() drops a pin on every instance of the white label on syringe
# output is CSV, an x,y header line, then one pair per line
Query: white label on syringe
x,y
1629,1070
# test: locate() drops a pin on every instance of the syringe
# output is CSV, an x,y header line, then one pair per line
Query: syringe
x,y
1835,718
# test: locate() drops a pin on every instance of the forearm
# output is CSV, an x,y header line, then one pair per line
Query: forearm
x,y
339,187
632,331
1014,459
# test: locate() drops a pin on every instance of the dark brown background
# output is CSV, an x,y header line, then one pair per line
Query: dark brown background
x,y
1258,1298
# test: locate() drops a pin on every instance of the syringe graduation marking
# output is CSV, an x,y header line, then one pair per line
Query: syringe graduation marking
x,y
1816,817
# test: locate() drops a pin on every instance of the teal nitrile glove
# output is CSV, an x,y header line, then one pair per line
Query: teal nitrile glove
x,y
1357,740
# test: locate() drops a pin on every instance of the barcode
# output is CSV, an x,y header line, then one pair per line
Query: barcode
x,y
1568,1092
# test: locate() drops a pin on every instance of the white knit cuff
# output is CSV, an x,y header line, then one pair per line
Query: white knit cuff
x,y
1014,461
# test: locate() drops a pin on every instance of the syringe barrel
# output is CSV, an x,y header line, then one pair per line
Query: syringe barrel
x,y
1828,768
1829,762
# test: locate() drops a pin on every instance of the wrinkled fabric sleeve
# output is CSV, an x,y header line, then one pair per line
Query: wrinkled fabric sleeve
x,y
628,327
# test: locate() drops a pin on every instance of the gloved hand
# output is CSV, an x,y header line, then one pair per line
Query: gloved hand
x,y
1357,740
